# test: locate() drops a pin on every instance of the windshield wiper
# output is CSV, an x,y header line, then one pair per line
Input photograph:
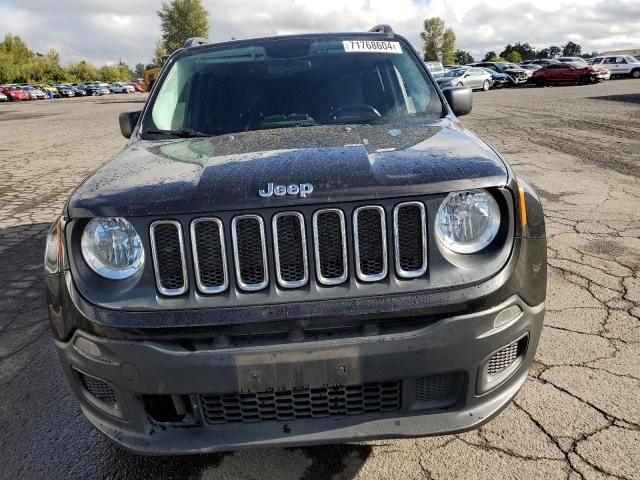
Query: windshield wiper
x,y
182,133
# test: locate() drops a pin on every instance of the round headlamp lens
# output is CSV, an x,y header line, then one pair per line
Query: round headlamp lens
x,y
468,221
112,248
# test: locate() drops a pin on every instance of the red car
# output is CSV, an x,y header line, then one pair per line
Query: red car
x,y
136,87
14,93
564,73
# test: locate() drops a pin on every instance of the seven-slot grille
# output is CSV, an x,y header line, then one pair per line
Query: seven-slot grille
x,y
292,249
302,403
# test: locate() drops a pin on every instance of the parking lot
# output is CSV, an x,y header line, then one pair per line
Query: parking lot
x,y
578,416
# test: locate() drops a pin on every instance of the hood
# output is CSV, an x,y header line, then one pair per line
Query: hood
x,y
343,163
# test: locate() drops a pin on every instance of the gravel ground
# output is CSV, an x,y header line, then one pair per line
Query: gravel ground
x,y
578,416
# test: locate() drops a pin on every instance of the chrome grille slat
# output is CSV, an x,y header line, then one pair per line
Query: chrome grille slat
x,y
290,249
167,249
370,239
410,239
209,255
330,246
250,252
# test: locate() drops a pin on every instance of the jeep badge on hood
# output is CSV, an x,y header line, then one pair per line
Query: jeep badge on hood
x,y
304,189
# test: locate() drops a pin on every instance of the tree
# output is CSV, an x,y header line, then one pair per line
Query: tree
x,y
514,57
160,54
525,51
82,72
139,70
180,20
463,57
571,50
432,37
554,51
448,49
439,43
489,56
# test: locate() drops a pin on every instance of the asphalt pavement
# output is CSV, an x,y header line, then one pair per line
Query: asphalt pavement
x,y
578,415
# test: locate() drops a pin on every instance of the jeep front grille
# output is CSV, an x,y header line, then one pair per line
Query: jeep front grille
x,y
302,403
209,256
280,246
370,237
250,250
410,239
290,249
167,246
330,244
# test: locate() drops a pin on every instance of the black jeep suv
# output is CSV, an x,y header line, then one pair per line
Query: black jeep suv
x,y
299,244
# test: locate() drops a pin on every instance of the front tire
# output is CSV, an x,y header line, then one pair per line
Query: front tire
x,y
540,82
486,85
635,73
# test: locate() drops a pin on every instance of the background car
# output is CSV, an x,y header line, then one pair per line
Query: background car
x,y
136,87
121,87
3,98
34,93
78,91
620,64
564,73
49,89
519,74
14,93
474,78
543,61
436,69
65,91
499,80
530,68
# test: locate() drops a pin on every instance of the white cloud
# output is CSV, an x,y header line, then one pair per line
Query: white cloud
x,y
104,32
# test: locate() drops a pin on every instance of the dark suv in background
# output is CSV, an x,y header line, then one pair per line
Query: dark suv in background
x,y
300,244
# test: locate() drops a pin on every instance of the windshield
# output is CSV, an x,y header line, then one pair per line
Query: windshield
x,y
292,82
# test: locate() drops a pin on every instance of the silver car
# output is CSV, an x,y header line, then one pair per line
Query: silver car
x,y
474,78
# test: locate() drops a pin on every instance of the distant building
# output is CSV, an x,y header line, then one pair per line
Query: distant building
x,y
635,52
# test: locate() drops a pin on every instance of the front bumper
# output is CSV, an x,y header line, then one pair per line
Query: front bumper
x,y
461,344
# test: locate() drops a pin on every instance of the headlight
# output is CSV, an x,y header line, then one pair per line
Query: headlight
x,y
467,222
112,248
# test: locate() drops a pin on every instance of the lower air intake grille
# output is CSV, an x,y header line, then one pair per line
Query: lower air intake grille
x,y
250,251
99,389
505,357
371,243
168,256
442,389
305,403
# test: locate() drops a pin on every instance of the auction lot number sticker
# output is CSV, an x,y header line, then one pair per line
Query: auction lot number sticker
x,y
371,46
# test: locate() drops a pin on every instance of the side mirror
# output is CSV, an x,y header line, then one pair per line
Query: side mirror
x,y
460,99
128,122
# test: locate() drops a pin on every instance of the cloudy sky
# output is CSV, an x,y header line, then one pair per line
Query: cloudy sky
x,y
105,31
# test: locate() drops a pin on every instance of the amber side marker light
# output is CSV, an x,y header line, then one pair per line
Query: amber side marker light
x,y
523,207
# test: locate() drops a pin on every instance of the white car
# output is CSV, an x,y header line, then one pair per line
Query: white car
x,y
3,97
121,87
619,64
34,93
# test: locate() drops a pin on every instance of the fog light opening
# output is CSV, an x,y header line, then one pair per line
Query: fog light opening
x,y
502,363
